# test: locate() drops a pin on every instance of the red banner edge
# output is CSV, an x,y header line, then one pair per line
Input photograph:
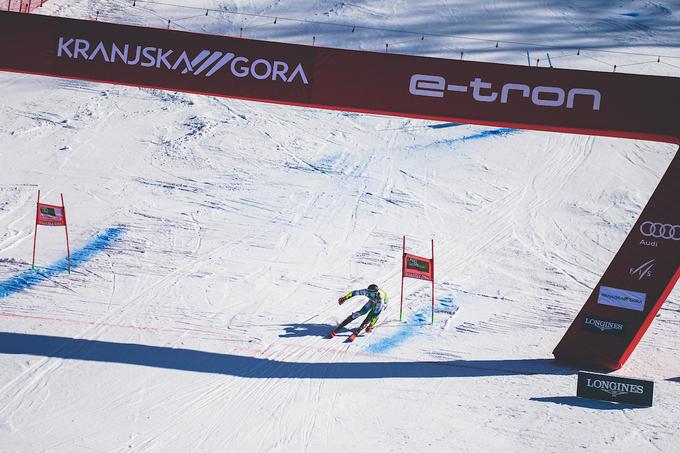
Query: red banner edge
x,y
648,320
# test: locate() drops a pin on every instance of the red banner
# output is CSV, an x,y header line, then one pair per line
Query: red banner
x,y
645,107
51,215
449,90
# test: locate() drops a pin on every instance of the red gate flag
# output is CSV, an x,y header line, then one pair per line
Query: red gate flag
x,y
559,100
51,215
417,267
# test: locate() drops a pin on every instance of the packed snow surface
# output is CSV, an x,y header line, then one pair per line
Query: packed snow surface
x,y
211,238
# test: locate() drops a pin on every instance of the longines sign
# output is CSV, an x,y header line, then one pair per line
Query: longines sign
x,y
615,389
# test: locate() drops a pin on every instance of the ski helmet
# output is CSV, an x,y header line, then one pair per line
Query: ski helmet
x,y
373,288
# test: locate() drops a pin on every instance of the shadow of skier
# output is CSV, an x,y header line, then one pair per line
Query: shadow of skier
x,y
306,330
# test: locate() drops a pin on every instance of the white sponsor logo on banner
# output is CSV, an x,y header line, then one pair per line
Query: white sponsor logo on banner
x,y
622,298
603,325
643,270
660,230
544,96
205,62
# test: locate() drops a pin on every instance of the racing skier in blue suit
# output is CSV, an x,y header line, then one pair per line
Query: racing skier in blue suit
x,y
377,302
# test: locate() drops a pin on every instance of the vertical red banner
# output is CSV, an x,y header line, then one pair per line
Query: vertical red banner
x,y
633,288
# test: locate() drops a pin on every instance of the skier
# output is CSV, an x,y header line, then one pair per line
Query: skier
x,y
377,302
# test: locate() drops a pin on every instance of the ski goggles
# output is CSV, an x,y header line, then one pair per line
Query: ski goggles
x,y
372,294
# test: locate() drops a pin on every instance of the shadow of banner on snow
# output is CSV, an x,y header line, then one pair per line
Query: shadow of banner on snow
x,y
586,403
257,367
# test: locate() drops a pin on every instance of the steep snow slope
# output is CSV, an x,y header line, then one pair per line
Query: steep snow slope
x,y
213,237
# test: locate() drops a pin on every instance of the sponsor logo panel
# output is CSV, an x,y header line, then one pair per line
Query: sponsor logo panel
x,y
614,388
50,215
622,298
604,326
418,264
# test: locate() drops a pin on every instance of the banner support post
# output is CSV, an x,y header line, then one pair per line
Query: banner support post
x,y
401,303
35,233
68,248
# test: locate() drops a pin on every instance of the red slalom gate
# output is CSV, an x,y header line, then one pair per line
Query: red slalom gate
x,y
643,272
418,267
50,215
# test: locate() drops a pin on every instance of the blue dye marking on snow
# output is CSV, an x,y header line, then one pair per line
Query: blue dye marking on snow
x,y
446,302
445,125
392,341
502,132
630,14
484,134
327,164
31,278
412,326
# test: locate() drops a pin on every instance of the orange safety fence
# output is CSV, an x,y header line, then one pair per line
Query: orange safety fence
x,y
21,6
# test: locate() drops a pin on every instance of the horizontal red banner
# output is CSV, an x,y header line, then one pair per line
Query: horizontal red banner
x,y
448,90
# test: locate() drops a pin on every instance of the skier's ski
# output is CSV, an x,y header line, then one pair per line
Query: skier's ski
x,y
352,337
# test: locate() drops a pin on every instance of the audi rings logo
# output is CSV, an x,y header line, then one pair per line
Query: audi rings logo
x,y
660,230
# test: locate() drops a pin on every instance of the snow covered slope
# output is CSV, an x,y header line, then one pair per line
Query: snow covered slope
x,y
212,237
